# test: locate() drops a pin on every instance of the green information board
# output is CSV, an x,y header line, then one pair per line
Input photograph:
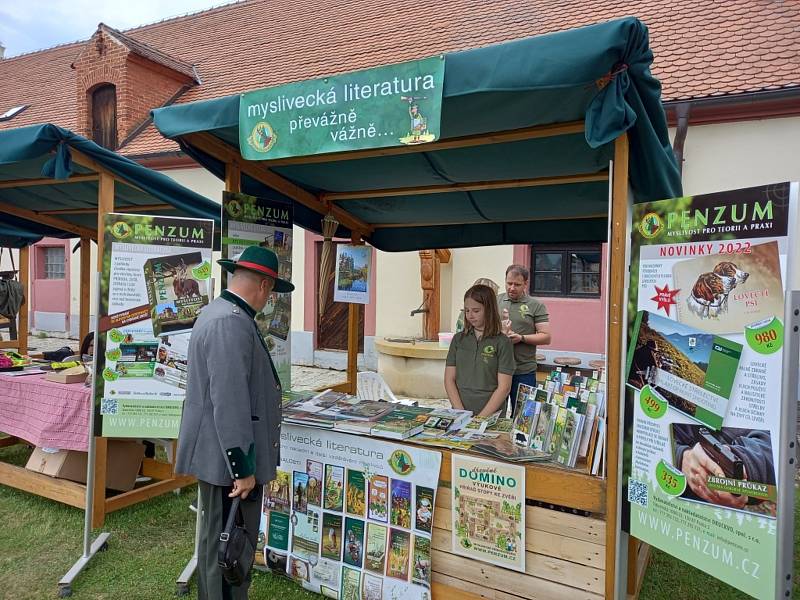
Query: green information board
x,y
394,105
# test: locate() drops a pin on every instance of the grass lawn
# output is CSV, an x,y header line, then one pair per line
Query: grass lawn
x,y
151,542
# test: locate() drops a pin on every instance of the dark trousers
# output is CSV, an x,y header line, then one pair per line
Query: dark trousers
x,y
215,504
527,378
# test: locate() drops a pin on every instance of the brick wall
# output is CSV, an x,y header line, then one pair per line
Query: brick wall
x,y
140,85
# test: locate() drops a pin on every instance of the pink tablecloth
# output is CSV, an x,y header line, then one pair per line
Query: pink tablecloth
x,y
52,415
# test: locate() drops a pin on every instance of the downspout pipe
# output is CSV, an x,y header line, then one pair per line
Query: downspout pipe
x,y
682,112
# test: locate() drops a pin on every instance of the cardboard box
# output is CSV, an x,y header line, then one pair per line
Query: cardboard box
x,y
124,461
71,375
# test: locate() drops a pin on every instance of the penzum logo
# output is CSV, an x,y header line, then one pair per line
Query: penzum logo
x,y
651,225
121,230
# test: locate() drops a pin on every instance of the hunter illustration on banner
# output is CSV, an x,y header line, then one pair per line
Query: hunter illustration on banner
x,y
387,106
704,379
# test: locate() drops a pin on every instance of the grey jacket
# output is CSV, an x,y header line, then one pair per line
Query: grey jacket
x,y
232,412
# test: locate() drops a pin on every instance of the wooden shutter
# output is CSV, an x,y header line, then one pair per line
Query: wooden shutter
x,y
104,116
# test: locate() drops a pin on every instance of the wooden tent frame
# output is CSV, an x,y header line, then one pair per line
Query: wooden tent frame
x,y
557,486
64,491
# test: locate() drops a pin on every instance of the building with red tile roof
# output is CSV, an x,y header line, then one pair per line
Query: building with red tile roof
x,y
736,52
730,73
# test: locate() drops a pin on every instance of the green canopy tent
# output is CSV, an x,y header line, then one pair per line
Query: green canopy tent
x,y
531,183
528,130
56,183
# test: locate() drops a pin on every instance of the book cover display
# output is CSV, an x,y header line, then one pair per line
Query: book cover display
x,y
704,364
372,536
155,279
254,221
488,511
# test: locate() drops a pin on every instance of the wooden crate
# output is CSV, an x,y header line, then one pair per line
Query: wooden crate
x,y
565,559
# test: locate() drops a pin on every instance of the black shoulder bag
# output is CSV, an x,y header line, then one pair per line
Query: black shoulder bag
x,y
236,552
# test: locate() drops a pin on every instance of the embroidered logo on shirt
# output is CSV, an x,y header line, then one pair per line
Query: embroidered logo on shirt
x,y
487,353
524,309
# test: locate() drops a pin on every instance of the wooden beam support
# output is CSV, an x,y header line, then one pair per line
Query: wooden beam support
x,y
233,176
55,222
352,338
466,187
77,178
257,170
105,205
25,309
515,135
616,351
91,210
578,218
85,287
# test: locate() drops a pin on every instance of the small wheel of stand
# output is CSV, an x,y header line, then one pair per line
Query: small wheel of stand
x,y
103,548
182,589
64,591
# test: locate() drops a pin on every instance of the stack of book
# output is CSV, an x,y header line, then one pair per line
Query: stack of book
x,y
445,420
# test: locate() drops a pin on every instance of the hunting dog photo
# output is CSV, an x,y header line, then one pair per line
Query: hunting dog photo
x,y
710,292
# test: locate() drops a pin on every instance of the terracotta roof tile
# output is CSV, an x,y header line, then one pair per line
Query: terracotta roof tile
x,y
747,46
150,53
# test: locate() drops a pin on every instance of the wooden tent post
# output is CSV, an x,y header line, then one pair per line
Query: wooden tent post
x,y
24,279
86,286
352,337
616,291
233,177
105,205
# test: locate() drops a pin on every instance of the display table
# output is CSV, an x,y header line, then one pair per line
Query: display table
x,y
412,369
44,413
53,415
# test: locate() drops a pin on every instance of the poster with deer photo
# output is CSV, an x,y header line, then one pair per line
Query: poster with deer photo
x,y
704,379
155,280
253,221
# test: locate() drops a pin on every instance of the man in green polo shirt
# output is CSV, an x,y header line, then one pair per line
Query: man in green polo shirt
x,y
526,324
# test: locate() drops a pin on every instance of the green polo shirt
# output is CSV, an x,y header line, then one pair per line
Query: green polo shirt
x,y
524,313
477,364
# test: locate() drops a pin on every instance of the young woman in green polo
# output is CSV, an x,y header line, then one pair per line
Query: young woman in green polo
x,y
480,362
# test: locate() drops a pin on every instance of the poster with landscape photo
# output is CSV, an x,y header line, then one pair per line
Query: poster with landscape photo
x,y
692,370
352,274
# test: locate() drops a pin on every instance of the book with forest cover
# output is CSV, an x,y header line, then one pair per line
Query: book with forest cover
x,y
506,449
447,419
570,439
540,440
560,422
526,421
177,289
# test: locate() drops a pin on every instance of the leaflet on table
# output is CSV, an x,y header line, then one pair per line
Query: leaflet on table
x,y
254,221
367,531
704,369
156,278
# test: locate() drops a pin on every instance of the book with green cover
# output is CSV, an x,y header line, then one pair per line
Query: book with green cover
x,y
177,289
558,429
544,426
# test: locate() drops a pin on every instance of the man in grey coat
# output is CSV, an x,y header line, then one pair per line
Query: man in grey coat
x,y
230,431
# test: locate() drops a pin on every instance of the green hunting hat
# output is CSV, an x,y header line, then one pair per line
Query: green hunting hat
x,y
261,260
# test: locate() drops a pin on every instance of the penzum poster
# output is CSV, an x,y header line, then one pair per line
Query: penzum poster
x,y
156,277
488,511
704,372
252,221
345,548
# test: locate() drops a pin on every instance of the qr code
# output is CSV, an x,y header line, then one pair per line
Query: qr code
x,y
109,406
637,492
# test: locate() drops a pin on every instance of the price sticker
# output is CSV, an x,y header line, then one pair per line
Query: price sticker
x,y
110,375
202,272
671,481
765,337
653,406
113,355
116,336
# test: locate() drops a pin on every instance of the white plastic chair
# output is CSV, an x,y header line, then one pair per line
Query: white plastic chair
x,y
371,386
